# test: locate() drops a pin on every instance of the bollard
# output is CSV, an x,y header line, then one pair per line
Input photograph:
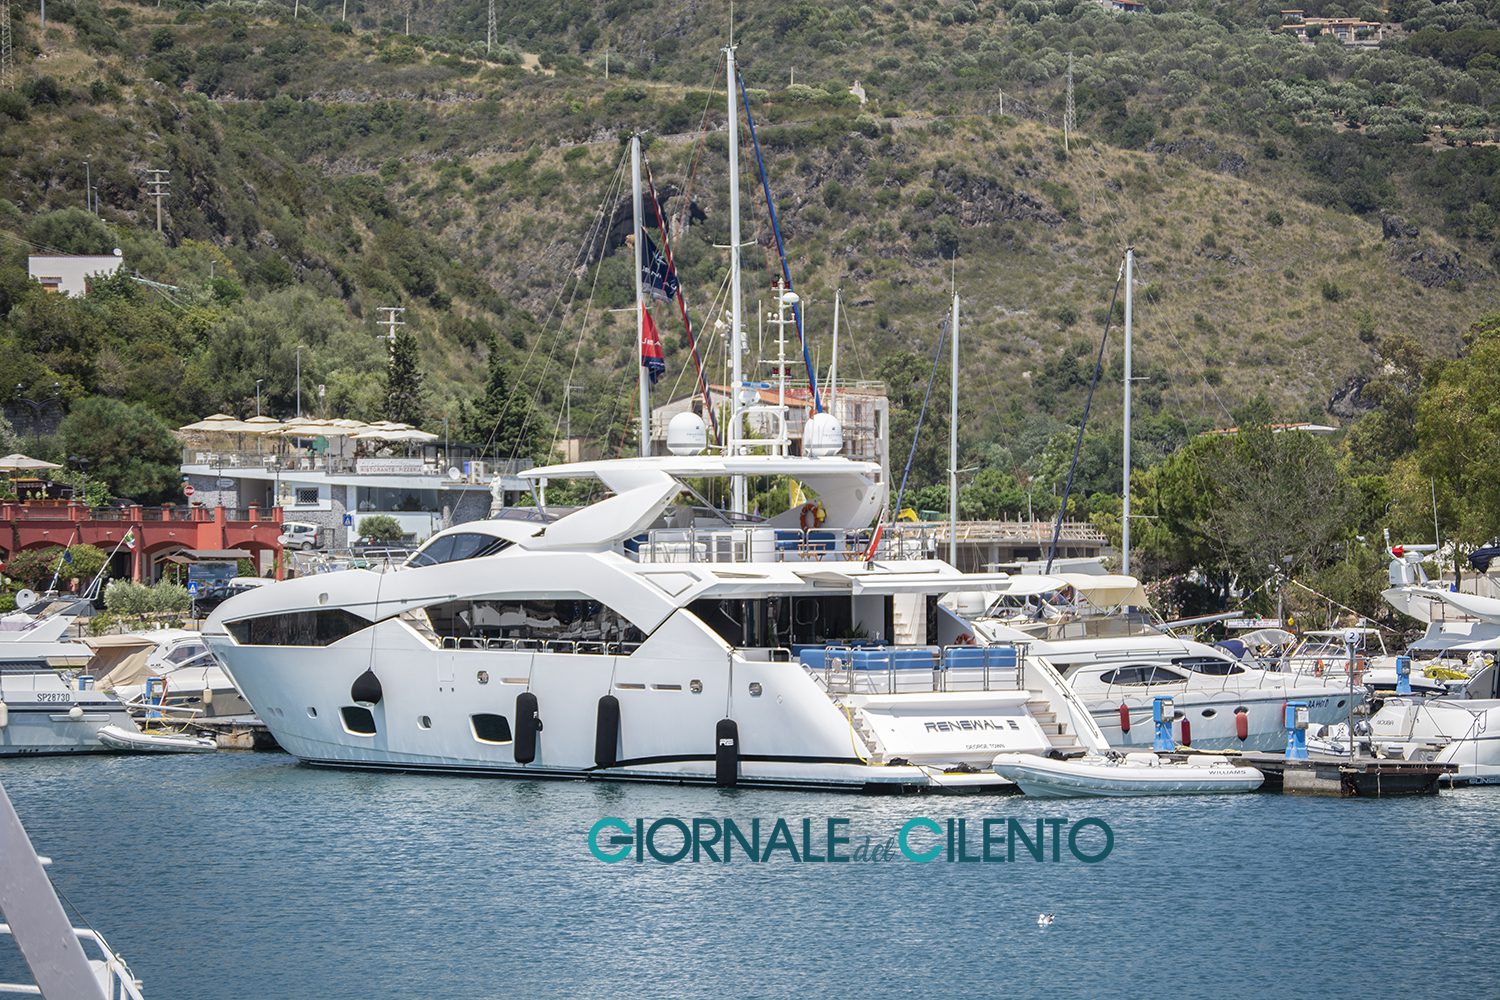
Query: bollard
x,y
1403,675
1161,716
1296,730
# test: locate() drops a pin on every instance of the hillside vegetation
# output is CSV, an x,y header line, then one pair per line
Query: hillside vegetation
x,y
1302,214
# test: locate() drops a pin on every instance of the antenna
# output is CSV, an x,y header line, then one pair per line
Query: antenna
x,y
1068,121
157,186
489,37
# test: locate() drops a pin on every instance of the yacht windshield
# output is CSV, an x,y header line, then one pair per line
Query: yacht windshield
x,y
452,548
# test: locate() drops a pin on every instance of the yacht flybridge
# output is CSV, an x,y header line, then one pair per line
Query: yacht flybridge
x,y
642,638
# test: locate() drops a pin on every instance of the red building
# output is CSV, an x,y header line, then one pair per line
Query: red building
x,y
159,532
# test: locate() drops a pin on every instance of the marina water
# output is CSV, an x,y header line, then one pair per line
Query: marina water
x,y
243,875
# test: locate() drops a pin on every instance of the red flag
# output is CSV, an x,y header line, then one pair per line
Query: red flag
x,y
651,356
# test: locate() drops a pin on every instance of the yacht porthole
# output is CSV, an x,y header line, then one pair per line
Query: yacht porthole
x,y
755,689
1241,710
424,722
695,686
483,676
312,713
1177,715
1341,703
1209,713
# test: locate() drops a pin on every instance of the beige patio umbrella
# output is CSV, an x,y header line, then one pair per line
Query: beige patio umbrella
x,y
25,463
218,423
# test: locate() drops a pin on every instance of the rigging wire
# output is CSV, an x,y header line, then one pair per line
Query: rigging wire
x,y
1062,510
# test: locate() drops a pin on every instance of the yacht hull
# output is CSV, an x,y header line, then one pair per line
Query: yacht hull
x,y
1211,719
438,711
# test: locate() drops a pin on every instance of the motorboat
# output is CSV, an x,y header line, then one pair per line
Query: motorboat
x,y
166,671
1464,732
647,636
1220,702
1129,774
48,706
1455,657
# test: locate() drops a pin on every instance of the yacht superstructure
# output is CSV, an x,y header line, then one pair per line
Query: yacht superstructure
x,y
640,639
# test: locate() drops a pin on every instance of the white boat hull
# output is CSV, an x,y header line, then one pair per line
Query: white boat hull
x,y
41,728
1045,777
1211,719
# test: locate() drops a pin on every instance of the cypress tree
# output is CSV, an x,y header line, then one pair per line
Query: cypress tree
x,y
403,381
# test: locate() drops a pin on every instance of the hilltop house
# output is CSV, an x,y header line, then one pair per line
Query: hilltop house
x,y
1350,31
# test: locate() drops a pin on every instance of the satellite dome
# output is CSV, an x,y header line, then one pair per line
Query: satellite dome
x,y
823,436
686,434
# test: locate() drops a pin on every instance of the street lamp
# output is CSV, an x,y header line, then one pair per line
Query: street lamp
x,y
257,395
37,406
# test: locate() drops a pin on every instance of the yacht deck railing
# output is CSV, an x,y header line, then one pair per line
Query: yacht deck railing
x,y
917,669
114,975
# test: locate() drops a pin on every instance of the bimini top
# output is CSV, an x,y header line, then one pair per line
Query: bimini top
x,y
850,493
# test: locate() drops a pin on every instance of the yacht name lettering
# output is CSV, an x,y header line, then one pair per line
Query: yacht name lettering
x,y
957,725
669,840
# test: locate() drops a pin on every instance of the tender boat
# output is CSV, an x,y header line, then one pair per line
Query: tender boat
x,y
133,740
1130,774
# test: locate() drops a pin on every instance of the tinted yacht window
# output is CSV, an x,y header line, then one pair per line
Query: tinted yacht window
x,y
540,620
300,628
452,548
1143,674
1211,665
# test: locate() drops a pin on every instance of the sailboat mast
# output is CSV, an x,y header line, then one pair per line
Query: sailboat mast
x,y
953,446
736,294
1125,491
833,366
640,293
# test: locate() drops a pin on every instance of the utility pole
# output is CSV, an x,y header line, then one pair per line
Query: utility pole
x,y
7,65
299,381
345,15
1125,492
408,18
390,321
1068,122
157,186
606,62
88,187
489,35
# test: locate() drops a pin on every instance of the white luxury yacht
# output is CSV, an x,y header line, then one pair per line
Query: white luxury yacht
x,y
643,638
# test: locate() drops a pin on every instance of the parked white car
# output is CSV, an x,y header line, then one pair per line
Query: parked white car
x,y
298,535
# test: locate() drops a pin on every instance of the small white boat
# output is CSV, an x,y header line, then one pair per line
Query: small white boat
x,y
118,738
1124,775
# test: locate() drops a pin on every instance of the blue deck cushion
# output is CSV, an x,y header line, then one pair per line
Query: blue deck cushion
x,y
975,658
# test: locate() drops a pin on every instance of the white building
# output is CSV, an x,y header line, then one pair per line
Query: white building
x,y
337,495
70,273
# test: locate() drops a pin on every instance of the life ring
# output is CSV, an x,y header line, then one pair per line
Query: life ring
x,y
810,518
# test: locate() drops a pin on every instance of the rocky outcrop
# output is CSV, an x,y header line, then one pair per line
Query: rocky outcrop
x,y
1204,153
1348,402
1427,265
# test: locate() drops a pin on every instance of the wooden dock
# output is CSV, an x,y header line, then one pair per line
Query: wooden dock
x,y
1363,777
237,732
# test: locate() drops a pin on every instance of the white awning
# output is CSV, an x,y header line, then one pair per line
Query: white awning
x,y
867,582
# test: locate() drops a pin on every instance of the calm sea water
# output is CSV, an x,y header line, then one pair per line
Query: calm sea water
x,y
248,875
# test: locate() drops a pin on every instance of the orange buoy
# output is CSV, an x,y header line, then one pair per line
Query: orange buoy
x,y
1242,725
1124,718
1187,734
